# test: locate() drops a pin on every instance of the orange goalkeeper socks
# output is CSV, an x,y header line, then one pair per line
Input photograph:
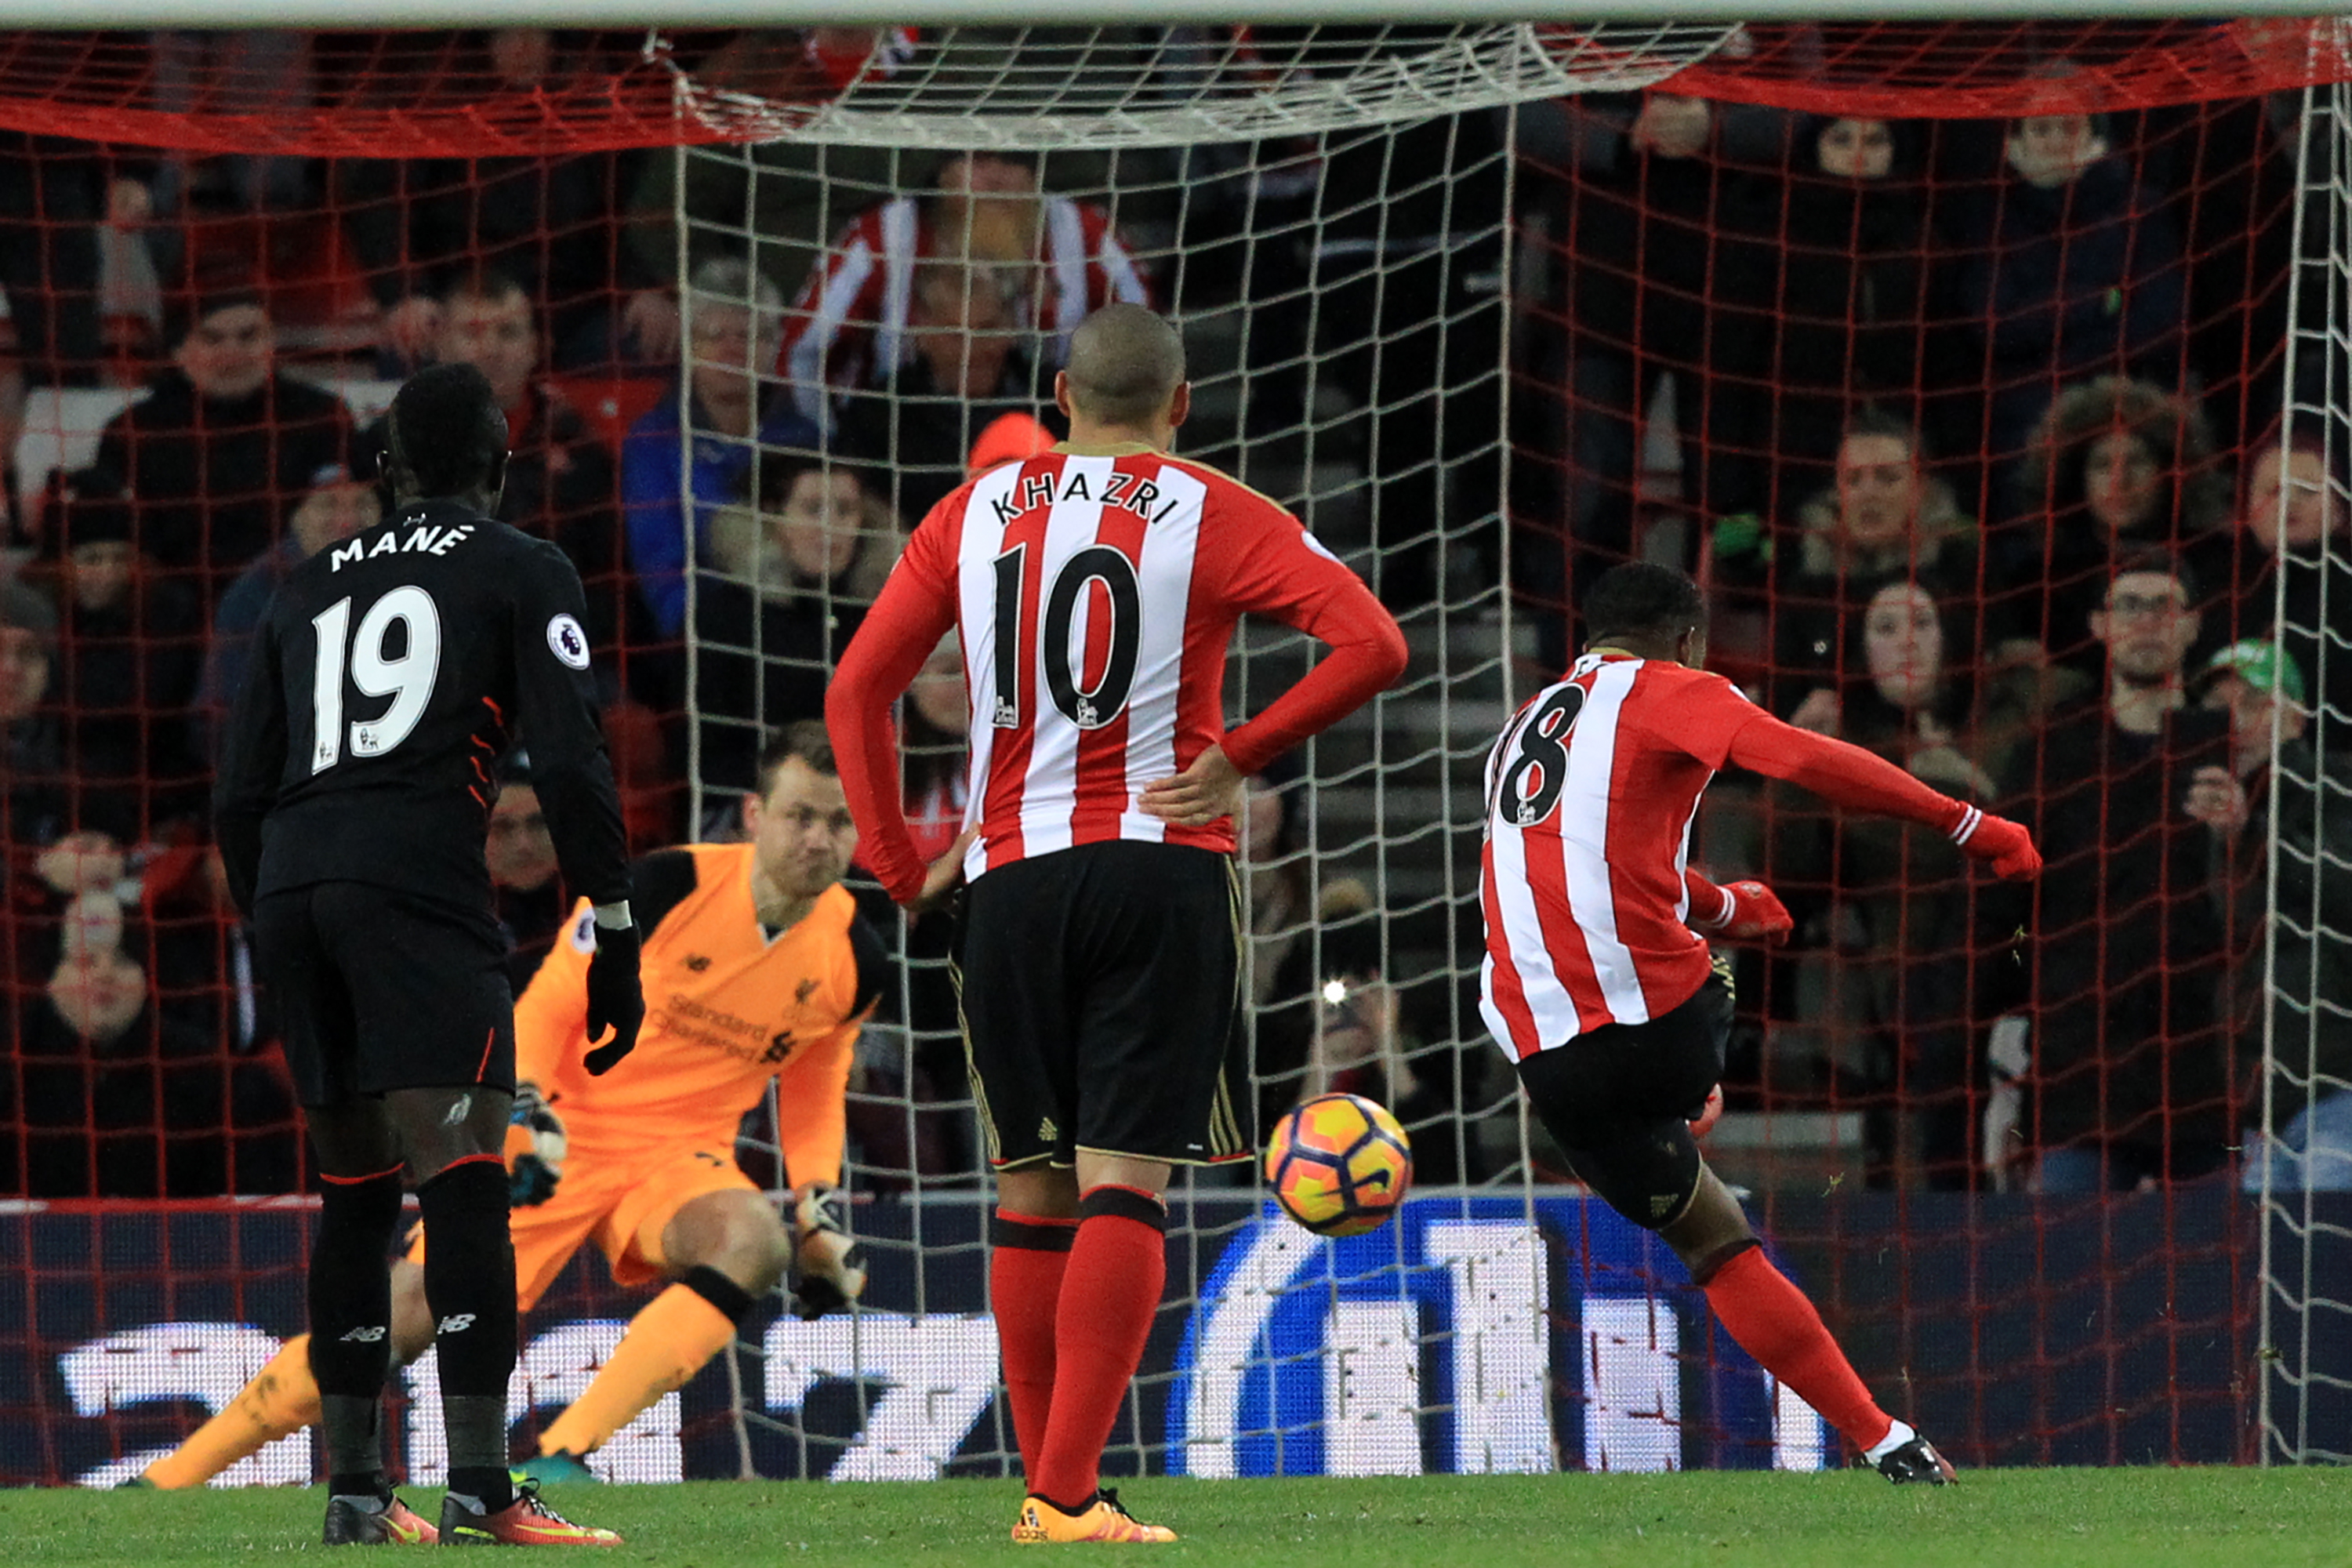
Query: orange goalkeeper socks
x,y
281,1400
667,1345
1772,1320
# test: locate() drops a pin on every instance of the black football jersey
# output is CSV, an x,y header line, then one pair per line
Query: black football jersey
x,y
390,675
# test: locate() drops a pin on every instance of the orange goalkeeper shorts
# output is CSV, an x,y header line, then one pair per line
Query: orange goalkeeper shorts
x,y
622,1205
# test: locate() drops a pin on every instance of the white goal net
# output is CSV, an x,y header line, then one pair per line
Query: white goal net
x,y
2303,1168
1328,217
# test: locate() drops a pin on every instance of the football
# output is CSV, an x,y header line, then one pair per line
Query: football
x,y
1338,1164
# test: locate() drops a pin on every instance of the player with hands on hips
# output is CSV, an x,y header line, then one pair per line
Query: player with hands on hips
x,y
1094,589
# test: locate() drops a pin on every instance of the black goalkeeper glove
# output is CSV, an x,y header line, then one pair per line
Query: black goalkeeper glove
x,y
828,1265
615,1000
535,1149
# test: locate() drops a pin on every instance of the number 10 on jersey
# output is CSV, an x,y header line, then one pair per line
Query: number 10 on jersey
x,y
407,679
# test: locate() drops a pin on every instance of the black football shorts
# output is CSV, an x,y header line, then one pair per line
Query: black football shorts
x,y
1098,987
1618,1101
378,990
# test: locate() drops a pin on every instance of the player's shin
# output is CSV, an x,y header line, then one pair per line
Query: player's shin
x,y
469,1284
350,1325
1772,1320
1027,1261
678,1331
1117,1269
281,1400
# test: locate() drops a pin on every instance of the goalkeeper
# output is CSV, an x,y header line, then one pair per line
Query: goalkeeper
x,y
756,966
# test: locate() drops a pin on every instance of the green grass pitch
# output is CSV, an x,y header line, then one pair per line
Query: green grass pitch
x,y
2000,1519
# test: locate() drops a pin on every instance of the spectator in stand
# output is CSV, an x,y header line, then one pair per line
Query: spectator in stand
x,y
1671,252
61,837
730,416
2117,465
221,443
12,536
789,197
335,506
128,652
559,481
1326,1020
971,367
2308,543
117,1099
2303,980
1888,904
55,196
1299,934
420,226
1887,519
524,872
1863,316
2078,272
791,580
932,737
2127,1060
1008,439
1061,261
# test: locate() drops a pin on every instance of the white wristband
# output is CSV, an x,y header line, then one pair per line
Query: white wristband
x,y
1966,829
615,916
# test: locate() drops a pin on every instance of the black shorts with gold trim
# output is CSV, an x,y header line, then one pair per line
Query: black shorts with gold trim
x,y
1099,989
1618,1101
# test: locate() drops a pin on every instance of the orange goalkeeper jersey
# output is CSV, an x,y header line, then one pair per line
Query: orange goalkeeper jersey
x,y
728,1007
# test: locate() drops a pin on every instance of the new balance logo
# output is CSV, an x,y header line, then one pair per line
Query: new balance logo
x,y
457,1323
802,992
696,963
365,1334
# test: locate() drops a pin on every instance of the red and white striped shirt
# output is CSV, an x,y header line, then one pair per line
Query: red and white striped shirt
x,y
1590,796
849,326
1094,591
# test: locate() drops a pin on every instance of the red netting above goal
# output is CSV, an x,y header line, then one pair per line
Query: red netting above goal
x,y
1957,71
454,94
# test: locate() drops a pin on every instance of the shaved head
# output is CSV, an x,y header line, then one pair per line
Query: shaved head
x,y
1126,364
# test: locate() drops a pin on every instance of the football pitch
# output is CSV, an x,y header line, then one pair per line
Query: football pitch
x,y
2002,1518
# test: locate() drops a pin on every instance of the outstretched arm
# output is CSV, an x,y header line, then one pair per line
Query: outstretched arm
x,y
1848,776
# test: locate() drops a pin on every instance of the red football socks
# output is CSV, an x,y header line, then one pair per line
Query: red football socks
x,y
1772,1320
1025,1290
1118,1268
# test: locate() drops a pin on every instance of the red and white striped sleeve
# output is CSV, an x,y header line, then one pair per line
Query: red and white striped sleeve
x,y
1274,567
1114,272
916,607
835,314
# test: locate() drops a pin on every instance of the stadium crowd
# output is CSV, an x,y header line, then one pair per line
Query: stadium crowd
x,y
1980,455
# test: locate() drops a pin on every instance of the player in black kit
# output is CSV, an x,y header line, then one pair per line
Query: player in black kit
x,y
392,672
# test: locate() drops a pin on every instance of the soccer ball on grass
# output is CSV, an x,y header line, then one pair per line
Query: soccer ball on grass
x,y
1338,1164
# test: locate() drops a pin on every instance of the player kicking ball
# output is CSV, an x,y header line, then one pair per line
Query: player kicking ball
x,y
766,971
1597,985
353,807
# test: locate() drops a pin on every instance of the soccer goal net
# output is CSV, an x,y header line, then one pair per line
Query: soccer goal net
x,y
1989,376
